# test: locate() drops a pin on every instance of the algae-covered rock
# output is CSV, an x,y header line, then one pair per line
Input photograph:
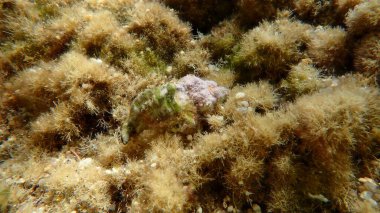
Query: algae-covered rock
x,y
161,108
173,107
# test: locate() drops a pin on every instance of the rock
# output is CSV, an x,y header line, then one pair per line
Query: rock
x,y
173,107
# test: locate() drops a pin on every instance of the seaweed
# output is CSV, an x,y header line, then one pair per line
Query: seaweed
x,y
189,106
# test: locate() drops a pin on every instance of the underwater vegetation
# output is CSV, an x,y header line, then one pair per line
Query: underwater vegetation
x,y
189,106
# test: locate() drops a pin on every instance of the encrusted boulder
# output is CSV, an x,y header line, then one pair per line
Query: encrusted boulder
x,y
173,107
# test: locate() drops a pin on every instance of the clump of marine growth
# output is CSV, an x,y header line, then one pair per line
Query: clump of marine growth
x,y
173,107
